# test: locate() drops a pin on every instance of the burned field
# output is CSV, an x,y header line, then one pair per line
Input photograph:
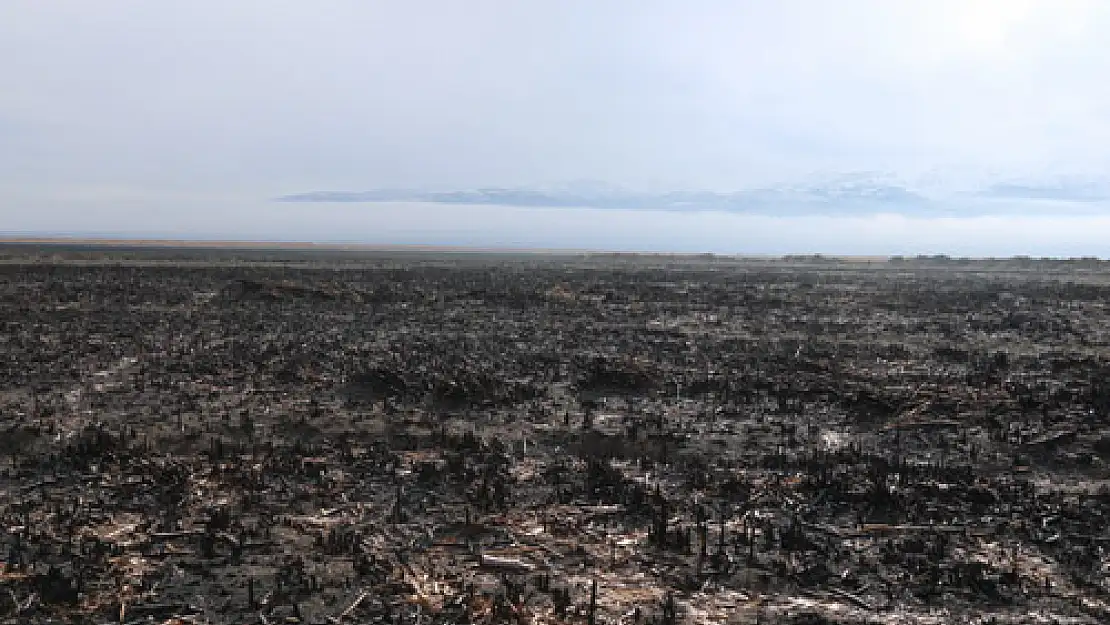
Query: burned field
x,y
256,438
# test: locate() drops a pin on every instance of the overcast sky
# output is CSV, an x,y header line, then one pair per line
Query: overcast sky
x,y
161,107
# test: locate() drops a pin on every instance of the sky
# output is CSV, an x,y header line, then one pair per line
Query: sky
x,y
184,119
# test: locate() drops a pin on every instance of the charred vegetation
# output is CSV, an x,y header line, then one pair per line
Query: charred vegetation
x,y
277,436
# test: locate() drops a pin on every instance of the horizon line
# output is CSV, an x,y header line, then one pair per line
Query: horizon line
x,y
302,245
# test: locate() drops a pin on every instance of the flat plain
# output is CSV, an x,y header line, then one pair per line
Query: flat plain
x,y
264,435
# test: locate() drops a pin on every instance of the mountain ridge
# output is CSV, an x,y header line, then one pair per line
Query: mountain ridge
x,y
865,192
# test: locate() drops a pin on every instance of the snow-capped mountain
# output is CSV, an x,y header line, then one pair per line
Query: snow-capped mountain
x,y
864,187
840,190
1057,188
867,192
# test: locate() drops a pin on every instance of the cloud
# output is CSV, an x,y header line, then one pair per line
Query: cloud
x,y
261,98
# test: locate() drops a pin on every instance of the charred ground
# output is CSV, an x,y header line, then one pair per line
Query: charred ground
x,y
240,437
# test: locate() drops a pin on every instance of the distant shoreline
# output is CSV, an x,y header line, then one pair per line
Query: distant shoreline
x,y
262,245
60,243
280,245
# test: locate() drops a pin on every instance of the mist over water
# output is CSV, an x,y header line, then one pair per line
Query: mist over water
x,y
1039,234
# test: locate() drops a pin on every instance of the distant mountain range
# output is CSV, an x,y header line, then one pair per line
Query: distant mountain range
x,y
845,193
1062,191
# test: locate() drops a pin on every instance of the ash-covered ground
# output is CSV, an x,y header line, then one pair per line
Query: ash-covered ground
x,y
222,436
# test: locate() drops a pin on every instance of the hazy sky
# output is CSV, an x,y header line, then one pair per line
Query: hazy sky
x,y
162,106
